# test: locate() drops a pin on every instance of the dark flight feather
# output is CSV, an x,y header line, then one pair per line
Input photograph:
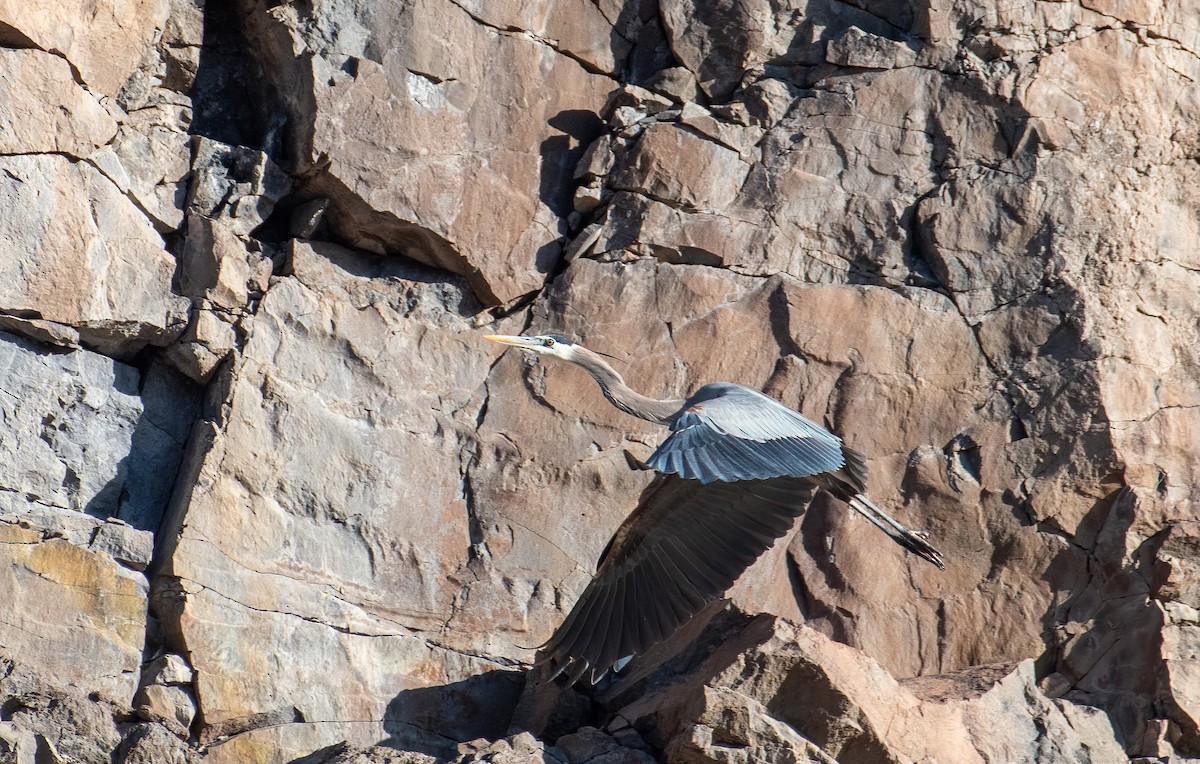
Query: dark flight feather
x,y
682,547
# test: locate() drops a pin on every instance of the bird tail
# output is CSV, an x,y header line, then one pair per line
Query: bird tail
x,y
913,541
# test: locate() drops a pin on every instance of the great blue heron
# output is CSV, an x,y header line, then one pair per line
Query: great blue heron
x,y
736,470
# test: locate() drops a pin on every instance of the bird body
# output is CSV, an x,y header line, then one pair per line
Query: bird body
x,y
735,472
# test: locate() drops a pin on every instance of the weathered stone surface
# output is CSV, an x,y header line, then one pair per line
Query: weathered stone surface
x,y
181,42
86,434
56,726
347,754
727,44
69,423
860,49
963,234
718,59
150,160
518,748
596,34
124,543
45,110
150,156
240,185
75,615
684,170
236,189
590,744
423,151
90,457
104,43
75,251
17,745
776,692
168,669
587,745
173,707
153,744
214,264
361,586
677,83
46,332
209,340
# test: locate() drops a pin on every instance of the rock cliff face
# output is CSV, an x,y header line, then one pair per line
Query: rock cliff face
x,y
266,495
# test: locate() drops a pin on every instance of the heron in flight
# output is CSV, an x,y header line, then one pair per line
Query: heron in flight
x,y
735,472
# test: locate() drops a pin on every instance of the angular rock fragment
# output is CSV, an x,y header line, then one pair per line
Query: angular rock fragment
x,y
207,342
215,265
150,161
425,153
104,43
676,83
858,48
153,744
780,692
47,111
75,251
682,170
238,184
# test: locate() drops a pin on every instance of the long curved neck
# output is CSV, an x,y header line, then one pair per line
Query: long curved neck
x,y
621,395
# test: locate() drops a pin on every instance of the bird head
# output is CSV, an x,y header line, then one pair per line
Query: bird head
x,y
544,344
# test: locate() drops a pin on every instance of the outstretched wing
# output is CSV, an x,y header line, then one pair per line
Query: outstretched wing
x,y
727,432
682,548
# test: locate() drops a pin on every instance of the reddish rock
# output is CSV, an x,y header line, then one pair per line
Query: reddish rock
x,y
963,235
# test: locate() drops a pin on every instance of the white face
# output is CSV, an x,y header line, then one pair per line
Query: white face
x,y
542,344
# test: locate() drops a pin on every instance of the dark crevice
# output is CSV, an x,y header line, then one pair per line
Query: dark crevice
x,y
651,51
921,271
11,37
233,101
352,223
780,321
587,66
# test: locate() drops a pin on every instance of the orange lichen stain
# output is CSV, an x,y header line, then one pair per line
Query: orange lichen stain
x,y
99,590
256,745
427,673
10,533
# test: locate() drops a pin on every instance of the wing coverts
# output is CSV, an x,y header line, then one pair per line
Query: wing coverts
x,y
727,432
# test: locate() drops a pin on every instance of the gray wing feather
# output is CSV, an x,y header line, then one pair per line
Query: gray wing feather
x,y
727,433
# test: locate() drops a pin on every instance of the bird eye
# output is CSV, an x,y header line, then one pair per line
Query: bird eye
x,y
548,342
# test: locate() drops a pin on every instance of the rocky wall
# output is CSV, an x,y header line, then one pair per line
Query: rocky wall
x,y
267,495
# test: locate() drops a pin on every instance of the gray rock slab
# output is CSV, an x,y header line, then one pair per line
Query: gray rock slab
x,y
87,434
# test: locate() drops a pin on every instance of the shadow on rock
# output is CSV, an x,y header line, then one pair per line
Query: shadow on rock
x,y
578,128
1104,638
705,646
434,720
